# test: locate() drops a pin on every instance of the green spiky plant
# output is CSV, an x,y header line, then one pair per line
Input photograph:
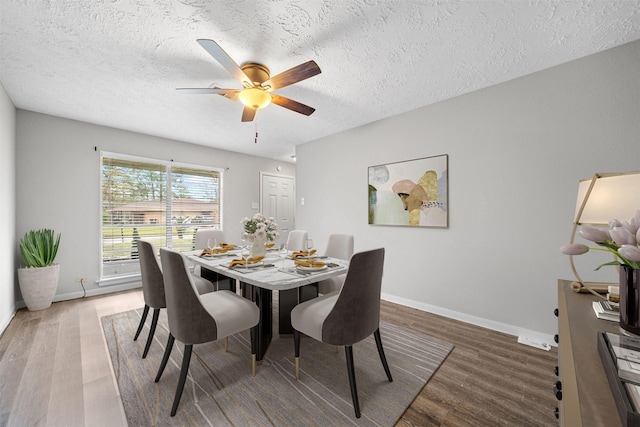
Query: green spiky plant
x,y
39,248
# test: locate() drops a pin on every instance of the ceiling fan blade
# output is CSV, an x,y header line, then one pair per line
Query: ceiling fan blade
x,y
248,114
225,60
292,75
207,90
233,95
292,105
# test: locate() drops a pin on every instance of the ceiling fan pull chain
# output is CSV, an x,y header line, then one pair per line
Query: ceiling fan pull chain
x,y
256,123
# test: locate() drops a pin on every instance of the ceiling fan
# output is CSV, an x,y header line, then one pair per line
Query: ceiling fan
x,y
257,83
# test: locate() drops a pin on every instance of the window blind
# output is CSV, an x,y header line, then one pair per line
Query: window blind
x,y
156,201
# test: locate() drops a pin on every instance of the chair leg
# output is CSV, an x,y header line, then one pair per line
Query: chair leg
x,y
296,343
348,350
383,359
142,320
253,333
183,377
226,344
165,358
152,331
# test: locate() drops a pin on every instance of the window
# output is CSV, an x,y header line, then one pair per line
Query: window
x,y
162,202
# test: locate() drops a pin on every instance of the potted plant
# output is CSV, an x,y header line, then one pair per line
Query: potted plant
x,y
38,280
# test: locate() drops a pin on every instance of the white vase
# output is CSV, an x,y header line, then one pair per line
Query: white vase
x,y
258,248
38,285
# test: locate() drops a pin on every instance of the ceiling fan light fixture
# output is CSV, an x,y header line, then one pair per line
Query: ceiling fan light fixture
x,y
254,98
256,83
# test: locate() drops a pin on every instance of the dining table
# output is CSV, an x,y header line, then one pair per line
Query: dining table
x,y
293,283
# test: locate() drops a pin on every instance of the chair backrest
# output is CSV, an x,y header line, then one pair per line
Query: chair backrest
x,y
152,281
297,240
356,313
189,322
202,235
340,246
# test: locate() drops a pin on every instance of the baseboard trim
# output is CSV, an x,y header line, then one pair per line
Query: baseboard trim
x,y
5,322
474,320
90,292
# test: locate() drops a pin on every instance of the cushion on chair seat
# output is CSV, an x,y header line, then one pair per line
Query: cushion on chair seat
x,y
230,312
202,285
309,316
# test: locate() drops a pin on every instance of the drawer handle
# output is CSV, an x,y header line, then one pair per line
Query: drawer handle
x,y
557,390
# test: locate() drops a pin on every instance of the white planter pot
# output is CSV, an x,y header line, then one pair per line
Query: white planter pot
x,y
38,285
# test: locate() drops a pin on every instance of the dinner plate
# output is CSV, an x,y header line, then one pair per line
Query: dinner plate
x,y
303,268
216,255
257,264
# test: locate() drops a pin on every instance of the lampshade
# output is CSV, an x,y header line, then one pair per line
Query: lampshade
x,y
604,197
255,98
607,196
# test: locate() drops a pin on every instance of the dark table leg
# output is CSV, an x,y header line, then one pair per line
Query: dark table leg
x,y
263,298
223,283
287,300
290,298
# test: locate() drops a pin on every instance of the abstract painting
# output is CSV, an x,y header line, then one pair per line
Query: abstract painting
x,y
410,193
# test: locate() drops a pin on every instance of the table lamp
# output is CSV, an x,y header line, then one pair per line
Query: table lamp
x,y
604,197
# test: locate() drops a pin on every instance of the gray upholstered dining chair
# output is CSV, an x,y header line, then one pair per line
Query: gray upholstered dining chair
x,y
200,239
347,316
153,289
196,319
297,240
203,235
339,246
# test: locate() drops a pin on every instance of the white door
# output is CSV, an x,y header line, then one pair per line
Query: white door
x,y
278,201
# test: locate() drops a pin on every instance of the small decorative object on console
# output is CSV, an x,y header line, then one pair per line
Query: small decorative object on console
x,y
621,376
621,239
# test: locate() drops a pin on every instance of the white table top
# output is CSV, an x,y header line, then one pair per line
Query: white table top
x,y
274,278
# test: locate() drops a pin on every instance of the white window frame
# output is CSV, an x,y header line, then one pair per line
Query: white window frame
x,y
168,164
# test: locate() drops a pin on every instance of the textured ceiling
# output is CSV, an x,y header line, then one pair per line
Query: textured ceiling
x,y
117,62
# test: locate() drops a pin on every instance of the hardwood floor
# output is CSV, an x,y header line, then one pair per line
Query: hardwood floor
x,y
487,380
55,371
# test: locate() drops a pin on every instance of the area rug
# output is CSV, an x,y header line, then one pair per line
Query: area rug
x,y
220,390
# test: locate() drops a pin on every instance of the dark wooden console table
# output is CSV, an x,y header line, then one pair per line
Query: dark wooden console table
x,y
586,396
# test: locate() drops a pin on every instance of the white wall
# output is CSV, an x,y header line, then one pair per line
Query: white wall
x,y
516,153
58,185
7,209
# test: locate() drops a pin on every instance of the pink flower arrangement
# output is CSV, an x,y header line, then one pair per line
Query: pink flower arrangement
x,y
621,239
260,227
